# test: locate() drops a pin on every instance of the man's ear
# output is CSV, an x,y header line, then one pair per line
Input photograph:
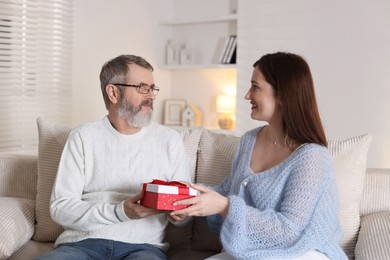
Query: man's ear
x,y
112,93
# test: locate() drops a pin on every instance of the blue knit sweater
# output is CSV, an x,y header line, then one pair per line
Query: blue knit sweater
x,y
284,211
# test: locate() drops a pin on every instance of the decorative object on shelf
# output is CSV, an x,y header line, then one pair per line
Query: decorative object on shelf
x,y
185,54
171,52
173,110
226,105
191,116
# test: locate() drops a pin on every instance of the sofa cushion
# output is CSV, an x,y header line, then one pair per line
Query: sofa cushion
x,y
349,158
203,238
179,237
32,249
189,255
52,138
374,237
16,224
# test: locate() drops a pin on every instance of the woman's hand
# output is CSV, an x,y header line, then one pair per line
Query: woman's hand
x,y
207,203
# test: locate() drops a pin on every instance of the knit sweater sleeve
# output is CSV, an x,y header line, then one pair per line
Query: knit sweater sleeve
x,y
67,208
280,229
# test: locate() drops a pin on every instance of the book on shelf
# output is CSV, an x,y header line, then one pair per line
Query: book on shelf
x,y
231,52
220,50
232,59
225,50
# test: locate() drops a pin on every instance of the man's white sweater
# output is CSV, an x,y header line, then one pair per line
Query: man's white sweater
x,y
100,168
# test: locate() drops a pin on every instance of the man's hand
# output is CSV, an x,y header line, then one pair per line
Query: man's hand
x,y
134,210
175,218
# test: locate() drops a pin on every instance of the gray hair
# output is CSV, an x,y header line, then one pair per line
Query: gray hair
x,y
117,71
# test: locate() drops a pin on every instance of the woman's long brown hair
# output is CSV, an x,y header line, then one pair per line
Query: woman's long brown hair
x,y
290,76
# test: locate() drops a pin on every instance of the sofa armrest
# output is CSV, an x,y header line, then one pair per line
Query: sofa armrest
x,y
16,224
18,176
374,237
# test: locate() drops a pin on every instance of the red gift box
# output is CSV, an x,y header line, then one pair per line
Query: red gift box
x,y
161,194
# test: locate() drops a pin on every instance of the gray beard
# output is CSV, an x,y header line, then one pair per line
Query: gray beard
x,y
133,115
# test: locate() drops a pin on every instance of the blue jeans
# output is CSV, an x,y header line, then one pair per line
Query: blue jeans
x,y
94,249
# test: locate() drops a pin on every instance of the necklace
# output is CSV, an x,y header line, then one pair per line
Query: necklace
x,y
287,142
276,141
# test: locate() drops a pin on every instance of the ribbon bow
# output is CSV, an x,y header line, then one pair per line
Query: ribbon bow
x,y
168,183
182,188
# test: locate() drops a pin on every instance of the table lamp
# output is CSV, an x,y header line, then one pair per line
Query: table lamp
x,y
226,105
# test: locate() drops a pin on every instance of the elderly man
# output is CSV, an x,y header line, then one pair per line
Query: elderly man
x,y
103,165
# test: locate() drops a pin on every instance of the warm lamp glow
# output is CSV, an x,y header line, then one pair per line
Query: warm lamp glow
x,y
226,104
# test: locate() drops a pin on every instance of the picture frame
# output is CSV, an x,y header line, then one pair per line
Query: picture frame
x,y
173,109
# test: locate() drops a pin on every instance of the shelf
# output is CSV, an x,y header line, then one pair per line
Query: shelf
x,y
177,22
216,130
197,66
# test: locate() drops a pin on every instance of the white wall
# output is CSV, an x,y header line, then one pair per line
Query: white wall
x,y
347,45
103,30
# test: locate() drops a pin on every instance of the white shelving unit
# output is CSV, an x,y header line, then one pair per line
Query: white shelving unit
x,y
216,130
227,18
200,81
203,35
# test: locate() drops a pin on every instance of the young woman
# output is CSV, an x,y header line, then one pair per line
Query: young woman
x,y
280,200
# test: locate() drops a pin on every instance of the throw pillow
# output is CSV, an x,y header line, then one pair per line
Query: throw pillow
x,y
216,153
349,158
52,138
16,224
191,139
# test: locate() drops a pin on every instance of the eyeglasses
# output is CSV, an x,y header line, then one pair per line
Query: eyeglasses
x,y
141,88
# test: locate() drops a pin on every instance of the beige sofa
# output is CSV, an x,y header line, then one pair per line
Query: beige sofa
x,y
26,182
